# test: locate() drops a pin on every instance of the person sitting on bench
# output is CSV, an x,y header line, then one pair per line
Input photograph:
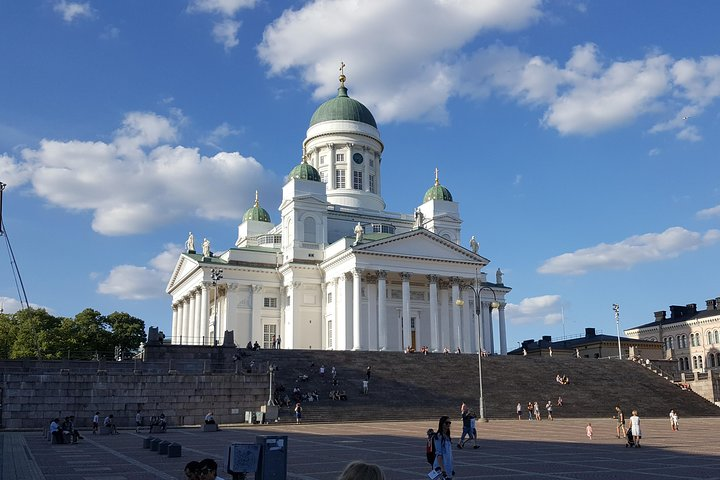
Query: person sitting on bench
x,y
209,419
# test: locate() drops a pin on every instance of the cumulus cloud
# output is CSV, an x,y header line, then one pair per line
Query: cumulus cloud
x,y
138,181
649,247
221,132
131,282
709,212
415,79
10,305
71,11
226,28
544,309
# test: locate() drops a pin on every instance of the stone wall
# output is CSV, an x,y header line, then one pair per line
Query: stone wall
x,y
34,392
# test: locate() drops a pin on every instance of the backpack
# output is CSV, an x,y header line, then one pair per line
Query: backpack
x,y
430,448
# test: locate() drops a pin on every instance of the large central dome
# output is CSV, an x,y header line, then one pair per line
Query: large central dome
x,y
343,107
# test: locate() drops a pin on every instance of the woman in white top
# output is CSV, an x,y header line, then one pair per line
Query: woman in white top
x,y
635,428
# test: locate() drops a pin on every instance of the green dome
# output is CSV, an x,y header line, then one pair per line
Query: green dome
x,y
256,212
343,107
305,171
437,191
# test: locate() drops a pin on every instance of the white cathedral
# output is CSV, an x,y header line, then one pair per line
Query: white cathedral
x,y
339,272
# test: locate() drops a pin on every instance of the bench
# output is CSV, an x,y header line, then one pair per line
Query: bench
x,y
210,427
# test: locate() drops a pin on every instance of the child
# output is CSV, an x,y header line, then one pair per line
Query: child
x,y
588,430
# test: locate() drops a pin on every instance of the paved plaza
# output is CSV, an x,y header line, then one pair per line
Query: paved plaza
x,y
509,449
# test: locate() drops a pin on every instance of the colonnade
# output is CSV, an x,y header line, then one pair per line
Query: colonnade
x,y
191,322
438,317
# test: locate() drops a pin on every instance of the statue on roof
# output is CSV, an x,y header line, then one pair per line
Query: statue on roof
x,y
190,243
498,277
474,245
206,247
419,218
359,232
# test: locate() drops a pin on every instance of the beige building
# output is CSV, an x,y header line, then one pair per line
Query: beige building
x,y
688,336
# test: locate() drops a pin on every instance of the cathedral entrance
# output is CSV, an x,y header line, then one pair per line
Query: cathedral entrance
x,y
269,331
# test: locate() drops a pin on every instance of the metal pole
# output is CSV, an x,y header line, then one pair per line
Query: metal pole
x,y
616,309
270,398
477,314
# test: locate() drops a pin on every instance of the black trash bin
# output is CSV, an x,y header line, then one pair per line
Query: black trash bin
x,y
272,464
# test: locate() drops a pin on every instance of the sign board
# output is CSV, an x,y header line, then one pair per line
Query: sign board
x,y
242,457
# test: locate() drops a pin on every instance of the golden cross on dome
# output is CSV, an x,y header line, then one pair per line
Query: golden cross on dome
x,y
256,199
437,182
342,65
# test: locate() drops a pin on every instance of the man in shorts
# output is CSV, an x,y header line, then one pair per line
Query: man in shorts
x,y
620,417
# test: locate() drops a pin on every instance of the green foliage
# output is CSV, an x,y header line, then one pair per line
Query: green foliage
x,y
34,333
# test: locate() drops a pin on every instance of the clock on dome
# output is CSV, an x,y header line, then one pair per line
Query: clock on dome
x,y
358,158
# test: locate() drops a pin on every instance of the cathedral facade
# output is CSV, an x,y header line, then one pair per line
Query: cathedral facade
x,y
339,272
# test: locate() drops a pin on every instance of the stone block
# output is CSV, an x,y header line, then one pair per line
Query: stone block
x,y
174,450
209,427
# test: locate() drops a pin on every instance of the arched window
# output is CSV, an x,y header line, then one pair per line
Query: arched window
x,y
700,362
698,343
709,338
717,336
694,362
680,364
684,341
310,230
692,340
670,342
712,360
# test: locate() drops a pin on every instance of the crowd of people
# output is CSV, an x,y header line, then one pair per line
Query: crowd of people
x,y
205,469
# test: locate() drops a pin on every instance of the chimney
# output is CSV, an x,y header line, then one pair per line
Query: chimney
x,y
717,303
691,308
676,311
589,332
660,316
547,339
710,304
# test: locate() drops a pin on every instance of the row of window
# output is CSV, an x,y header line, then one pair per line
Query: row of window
x,y
713,337
713,360
357,180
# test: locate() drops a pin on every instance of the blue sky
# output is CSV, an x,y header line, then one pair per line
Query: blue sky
x,y
580,139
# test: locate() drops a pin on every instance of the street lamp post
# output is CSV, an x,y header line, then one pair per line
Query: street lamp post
x,y
478,310
215,274
271,369
616,309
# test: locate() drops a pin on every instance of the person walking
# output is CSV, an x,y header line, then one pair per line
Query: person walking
x,y
620,417
443,448
674,420
95,423
138,421
635,427
466,430
588,431
298,412
548,407
530,410
519,410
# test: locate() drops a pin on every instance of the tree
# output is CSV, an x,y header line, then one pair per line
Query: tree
x,y
128,332
86,335
36,334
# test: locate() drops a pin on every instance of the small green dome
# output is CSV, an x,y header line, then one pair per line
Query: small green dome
x,y
343,107
305,171
437,191
256,212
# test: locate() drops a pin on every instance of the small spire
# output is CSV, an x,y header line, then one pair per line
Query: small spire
x,y
437,182
257,203
342,73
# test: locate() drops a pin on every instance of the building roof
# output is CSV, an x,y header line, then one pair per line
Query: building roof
x,y
590,337
256,212
305,171
343,107
437,192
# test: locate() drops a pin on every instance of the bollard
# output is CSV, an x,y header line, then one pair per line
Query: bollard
x,y
174,450
163,447
155,444
147,441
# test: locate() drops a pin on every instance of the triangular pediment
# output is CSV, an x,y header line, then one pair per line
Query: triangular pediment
x,y
420,243
184,267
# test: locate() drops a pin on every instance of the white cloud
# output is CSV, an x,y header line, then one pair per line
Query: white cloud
x,y
226,29
411,80
225,32
136,182
544,309
13,173
10,305
654,152
221,132
709,212
71,11
415,79
130,282
222,7
649,247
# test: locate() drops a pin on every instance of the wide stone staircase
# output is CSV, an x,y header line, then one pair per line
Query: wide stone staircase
x,y
416,386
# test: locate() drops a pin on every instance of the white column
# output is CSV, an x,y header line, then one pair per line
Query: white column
x,y
445,328
186,321
195,307
175,324
487,325
254,330
323,313
466,322
503,336
477,325
372,319
491,335
406,338
341,318
456,333
204,327
357,299
434,324
382,310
